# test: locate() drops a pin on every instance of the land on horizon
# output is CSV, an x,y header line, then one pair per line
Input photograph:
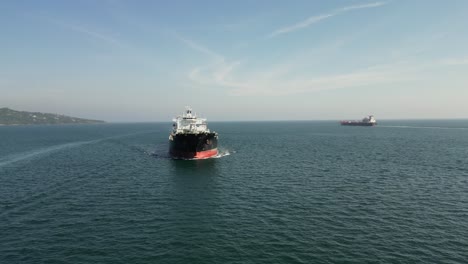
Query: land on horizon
x,y
12,117
9,116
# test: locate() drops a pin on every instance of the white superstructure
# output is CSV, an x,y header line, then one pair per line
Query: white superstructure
x,y
369,119
189,123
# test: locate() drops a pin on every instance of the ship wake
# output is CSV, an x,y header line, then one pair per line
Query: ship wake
x,y
222,153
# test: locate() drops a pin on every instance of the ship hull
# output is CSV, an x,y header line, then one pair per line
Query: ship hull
x,y
193,146
357,124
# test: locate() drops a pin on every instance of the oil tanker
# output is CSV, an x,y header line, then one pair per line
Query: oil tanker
x,y
366,121
190,138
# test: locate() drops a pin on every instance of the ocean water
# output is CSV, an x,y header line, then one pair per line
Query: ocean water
x,y
281,192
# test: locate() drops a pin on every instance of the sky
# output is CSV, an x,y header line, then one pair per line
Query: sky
x,y
138,61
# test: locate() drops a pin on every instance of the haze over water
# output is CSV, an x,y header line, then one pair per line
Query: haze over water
x,y
288,192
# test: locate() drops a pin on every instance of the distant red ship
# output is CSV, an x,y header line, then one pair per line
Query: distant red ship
x,y
366,121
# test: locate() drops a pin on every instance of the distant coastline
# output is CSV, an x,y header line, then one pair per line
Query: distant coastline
x,y
10,117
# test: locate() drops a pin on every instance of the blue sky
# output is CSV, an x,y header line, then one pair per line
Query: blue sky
x,y
235,60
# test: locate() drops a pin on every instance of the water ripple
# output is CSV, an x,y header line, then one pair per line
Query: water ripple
x,y
287,195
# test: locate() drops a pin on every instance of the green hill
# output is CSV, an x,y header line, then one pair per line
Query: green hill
x,y
12,117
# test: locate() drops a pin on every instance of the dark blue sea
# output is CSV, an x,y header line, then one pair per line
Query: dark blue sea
x,y
280,192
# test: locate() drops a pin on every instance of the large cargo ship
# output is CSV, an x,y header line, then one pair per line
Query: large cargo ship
x,y
191,139
366,121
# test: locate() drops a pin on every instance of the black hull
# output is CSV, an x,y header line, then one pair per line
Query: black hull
x,y
202,145
358,124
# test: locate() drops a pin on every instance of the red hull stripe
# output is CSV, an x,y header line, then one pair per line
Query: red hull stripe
x,y
196,155
206,154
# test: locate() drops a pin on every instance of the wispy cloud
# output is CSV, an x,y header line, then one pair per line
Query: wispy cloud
x,y
305,23
275,81
369,5
241,78
217,74
84,30
359,78
195,46
216,70
95,34
314,19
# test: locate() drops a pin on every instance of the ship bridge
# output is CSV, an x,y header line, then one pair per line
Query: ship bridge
x,y
190,123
